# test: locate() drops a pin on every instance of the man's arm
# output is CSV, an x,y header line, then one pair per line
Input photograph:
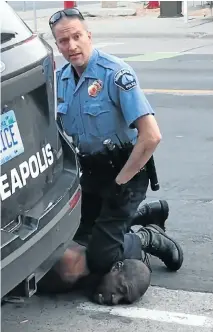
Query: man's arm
x,y
126,93
149,137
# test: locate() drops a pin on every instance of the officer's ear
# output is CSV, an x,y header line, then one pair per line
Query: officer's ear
x,y
53,32
57,46
89,34
117,267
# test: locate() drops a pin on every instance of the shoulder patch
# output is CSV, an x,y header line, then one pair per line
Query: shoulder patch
x,y
125,80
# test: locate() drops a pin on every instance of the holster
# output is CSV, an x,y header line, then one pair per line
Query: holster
x,y
101,163
95,163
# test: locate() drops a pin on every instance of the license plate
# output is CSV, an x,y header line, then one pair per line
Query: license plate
x,y
10,139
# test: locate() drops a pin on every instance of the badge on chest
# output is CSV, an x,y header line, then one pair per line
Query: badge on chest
x,y
95,88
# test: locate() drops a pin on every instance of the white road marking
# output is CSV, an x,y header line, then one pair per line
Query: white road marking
x,y
164,306
151,56
102,45
179,92
157,315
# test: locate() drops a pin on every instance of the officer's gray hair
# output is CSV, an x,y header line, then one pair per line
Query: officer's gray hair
x,y
84,23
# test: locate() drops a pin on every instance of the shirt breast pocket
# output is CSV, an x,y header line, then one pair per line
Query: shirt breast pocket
x,y
62,108
99,118
69,121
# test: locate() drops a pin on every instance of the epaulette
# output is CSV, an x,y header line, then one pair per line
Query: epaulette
x,y
110,61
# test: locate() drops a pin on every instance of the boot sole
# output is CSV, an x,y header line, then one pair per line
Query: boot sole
x,y
165,208
175,267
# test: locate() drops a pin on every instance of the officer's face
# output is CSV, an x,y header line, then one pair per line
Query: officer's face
x,y
73,41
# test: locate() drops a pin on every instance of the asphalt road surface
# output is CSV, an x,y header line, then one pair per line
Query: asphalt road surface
x,y
184,161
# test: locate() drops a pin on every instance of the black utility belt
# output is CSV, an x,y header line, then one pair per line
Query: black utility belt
x,y
100,162
94,158
99,165
93,161
113,161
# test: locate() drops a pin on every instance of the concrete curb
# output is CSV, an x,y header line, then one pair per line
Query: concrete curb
x,y
105,13
141,35
110,12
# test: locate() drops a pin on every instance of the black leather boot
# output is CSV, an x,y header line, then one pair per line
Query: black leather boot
x,y
157,243
152,213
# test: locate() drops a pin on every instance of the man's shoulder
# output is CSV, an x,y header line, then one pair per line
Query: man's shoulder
x,y
111,62
61,70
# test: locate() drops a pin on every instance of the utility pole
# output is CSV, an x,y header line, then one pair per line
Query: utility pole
x,y
34,16
185,11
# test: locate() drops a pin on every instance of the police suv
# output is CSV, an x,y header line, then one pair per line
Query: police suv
x,y
39,180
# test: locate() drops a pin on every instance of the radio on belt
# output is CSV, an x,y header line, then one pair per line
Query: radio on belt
x,y
114,154
115,157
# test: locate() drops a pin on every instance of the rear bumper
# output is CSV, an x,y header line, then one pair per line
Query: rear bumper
x,y
41,252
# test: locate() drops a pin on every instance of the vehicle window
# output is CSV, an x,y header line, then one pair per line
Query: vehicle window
x,y
13,29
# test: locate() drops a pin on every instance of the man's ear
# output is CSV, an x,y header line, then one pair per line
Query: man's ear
x,y
89,35
117,267
57,47
123,287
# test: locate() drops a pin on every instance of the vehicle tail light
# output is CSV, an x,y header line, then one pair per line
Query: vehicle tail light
x,y
75,198
33,36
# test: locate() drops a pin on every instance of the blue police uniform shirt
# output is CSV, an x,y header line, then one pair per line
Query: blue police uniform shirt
x,y
108,113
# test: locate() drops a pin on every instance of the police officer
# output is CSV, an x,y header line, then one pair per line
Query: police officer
x,y
99,99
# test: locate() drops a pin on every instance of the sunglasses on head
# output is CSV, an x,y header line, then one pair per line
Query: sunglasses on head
x,y
62,13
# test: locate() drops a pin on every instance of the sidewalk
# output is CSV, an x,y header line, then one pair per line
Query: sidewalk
x,y
130,21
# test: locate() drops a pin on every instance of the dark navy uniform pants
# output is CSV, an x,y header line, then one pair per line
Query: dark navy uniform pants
x,y
109,221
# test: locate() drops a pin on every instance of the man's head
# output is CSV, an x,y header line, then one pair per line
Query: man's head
x,y
125,283
72,37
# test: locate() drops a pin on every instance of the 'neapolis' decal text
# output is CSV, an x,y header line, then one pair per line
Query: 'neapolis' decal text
x,y
36,165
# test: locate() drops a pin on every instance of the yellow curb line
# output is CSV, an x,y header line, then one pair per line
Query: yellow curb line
x,y
179,92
